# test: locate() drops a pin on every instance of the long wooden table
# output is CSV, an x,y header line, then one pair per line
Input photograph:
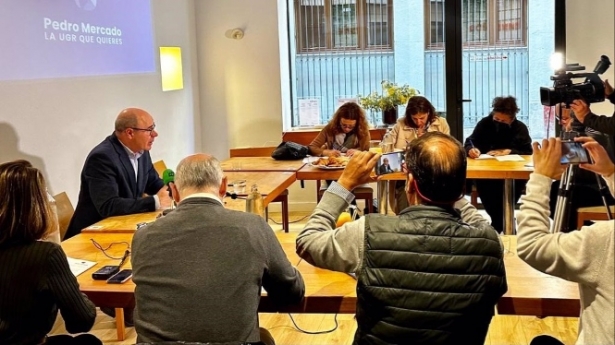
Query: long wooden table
x,y
260,164
530,292
477,169
270,184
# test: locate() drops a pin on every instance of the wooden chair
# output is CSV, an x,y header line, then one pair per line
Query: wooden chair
x,y
592,213
160,167
363,192
283,197
65,212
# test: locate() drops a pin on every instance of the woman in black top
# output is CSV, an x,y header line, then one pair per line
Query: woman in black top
x,y
499,134
35,279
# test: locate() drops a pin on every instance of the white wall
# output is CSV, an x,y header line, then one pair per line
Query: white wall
x,y
55,123
590,32
240,83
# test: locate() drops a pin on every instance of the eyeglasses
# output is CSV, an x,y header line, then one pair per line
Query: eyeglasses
x,y
149,129
347,126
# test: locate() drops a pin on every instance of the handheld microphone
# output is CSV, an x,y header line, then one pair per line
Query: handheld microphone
x,y
168,176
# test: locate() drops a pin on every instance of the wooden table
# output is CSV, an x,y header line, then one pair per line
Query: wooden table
x,y
260,164
270,184
530,292
477,169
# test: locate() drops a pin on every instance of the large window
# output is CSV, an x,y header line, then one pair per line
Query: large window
x,y
484,23
343,24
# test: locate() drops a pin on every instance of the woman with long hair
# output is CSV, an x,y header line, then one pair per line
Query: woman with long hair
x,y
419,119
36,279
347,132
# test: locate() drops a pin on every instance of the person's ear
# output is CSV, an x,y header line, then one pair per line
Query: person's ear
x,y
174,192
222,191
409,184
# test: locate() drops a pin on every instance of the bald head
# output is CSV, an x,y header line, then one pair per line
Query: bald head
x,y
198,173
438,165
131,118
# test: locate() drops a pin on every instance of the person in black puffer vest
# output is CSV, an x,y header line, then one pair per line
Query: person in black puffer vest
x,y
432,274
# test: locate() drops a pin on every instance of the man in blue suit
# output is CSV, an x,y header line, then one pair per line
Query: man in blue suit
x,y
118,176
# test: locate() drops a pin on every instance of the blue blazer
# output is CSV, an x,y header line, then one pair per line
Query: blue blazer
x,y
109,188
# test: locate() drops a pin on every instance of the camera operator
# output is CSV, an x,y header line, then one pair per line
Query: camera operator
x,y
602,123
584,256
585,189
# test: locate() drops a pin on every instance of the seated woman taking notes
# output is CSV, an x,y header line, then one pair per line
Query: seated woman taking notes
x,y
498,134
36,279
347,132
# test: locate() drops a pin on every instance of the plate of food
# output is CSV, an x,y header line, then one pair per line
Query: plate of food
x,y
330,163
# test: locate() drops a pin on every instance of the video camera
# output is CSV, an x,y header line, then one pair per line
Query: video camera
x,y
564,91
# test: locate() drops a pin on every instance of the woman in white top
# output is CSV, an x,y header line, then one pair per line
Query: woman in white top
x,y
419,119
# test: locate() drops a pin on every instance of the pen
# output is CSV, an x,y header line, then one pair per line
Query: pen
x,y
471,143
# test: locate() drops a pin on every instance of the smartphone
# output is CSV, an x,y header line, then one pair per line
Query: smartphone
x,y
389,163
105,272
121,277
574,153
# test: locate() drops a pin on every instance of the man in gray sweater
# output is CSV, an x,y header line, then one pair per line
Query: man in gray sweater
x,y
584,256
199,270
432,274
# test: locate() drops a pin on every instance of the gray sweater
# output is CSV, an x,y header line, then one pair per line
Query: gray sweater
x,y
199,270
584,256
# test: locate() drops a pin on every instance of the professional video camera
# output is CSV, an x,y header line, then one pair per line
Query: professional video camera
x,y
564,91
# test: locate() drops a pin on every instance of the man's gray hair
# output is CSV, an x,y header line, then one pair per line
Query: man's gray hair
x,y
199,174
126,120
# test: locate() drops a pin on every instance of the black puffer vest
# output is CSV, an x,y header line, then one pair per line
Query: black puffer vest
x,y
428,278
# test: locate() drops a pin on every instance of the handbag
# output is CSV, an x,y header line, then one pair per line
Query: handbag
x,y
289,150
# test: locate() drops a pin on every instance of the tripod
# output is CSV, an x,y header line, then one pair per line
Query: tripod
x,y
564,199
561,216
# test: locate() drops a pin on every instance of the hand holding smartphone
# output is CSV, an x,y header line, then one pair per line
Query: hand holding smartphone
x,y
389,163
574,153
121,277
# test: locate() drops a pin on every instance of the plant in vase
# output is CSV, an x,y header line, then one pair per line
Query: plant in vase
x,y
387,102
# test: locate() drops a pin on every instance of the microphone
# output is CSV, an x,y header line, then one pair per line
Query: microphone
x,y
168,176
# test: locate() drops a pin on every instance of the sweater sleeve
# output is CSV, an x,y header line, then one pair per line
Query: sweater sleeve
x,y
522,142
602,123
77,311
316,146
282,281
576,256
323,245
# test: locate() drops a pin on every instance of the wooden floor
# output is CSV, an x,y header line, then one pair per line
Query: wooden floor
x,y
503,330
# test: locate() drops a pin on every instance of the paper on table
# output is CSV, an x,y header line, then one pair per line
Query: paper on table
x,y
485,156
78,266
510,158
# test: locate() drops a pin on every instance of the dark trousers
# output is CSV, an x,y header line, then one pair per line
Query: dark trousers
x,y
583,195
491,193
82,339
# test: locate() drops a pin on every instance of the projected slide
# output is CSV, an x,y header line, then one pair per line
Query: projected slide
x,y
68,38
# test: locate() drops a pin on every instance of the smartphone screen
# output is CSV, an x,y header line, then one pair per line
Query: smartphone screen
x,y
121,277
389,163
573,153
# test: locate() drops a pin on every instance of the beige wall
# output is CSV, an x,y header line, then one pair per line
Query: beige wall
x,y
590,32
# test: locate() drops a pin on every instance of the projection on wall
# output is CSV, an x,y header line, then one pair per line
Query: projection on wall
x,y
68,38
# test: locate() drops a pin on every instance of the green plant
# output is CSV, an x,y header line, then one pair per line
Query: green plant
x,y
392,96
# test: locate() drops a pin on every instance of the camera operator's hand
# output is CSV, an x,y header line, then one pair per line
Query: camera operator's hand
x,y
608,89
359,169
474,153
502,152
547,158
601,162
580,109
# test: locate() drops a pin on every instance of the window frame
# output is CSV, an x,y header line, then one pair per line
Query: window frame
x,y
493,23
362,29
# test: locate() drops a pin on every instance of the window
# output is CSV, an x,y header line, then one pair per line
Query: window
x,y
483,23
343,24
